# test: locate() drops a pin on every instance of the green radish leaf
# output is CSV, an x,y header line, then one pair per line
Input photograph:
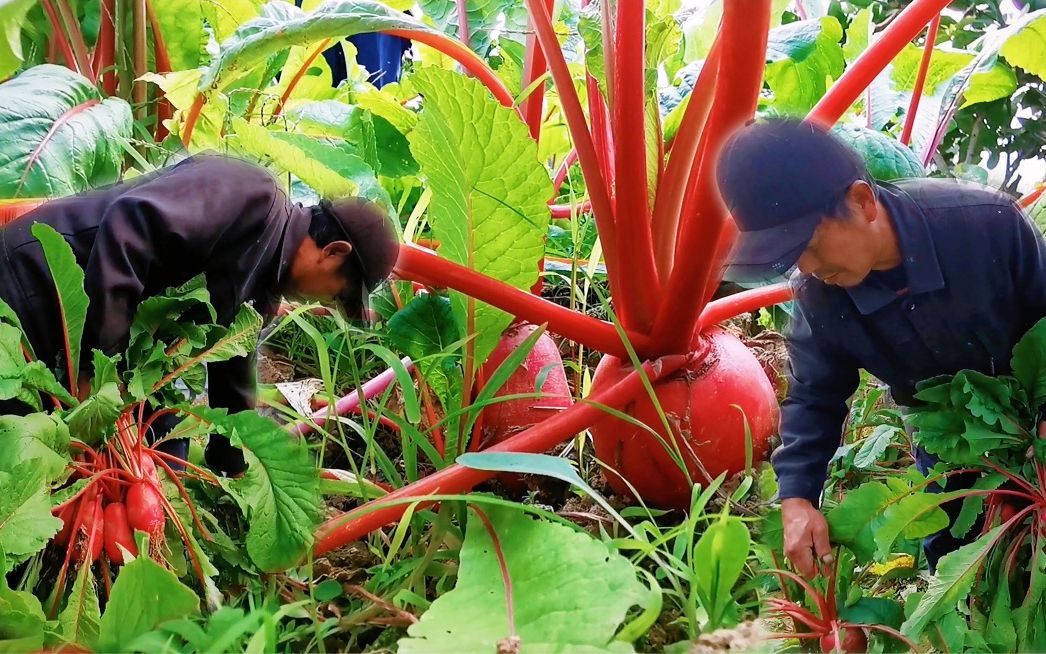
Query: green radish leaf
x,y
874,610
803,57
1000,632
145,595
1029,363
38,378
38,437
26,523
875,446
96,416
60,137
23,625
956,573
858,35
571,598
279,494
12,15
722,551
425,330
105,371
72,299
482,19
181,24
914,516
1027,47
886,158
855,521
488,208
8,315
79,620
257,39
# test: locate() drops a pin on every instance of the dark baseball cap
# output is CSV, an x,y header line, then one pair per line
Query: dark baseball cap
x,y
779,178
375,248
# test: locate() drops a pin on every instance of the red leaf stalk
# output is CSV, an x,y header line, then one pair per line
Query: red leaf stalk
x,y
576,120
164,110
76,37
422,266
872,61
740,81
105,50
632,209
534,67
463,22
59,36
324,44
920,80
359,522
668,204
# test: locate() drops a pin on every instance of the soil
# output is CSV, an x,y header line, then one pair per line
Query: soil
x,y
745,637
273,368
347,565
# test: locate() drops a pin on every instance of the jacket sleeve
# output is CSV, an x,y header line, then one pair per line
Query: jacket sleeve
x,y
173,222
821,378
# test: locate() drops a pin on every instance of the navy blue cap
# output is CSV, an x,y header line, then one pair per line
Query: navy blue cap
x,y
778,178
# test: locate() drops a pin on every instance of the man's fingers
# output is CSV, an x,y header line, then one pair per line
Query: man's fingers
x,y
822,545
801,555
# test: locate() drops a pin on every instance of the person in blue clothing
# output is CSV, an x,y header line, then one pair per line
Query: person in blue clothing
x,y
907,280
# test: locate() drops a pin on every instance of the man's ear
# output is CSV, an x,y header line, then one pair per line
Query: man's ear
x,y
862,197
339,249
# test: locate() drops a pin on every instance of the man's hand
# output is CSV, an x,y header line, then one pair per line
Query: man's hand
x,y
805,536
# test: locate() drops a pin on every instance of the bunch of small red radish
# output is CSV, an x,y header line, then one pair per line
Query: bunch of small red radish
x,y
123,495
832,633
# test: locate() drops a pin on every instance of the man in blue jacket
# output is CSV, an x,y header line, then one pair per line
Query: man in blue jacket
x,y
908,280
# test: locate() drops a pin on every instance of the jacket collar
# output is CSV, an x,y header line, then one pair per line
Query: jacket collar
x,y
919,256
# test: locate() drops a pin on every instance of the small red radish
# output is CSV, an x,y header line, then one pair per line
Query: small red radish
x,y
92,523
145,509
854,641
66,514
148,467
118,533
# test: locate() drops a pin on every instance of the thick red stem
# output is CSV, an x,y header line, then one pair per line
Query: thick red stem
x,y
76,37
350,402
740,81
105,50
419,265
564,170
534,67
324,44
359,522
920,80
668,204
641,285
463,22
874,59
164,109
59,36
743,302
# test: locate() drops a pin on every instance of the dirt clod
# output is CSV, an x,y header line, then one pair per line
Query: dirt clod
x,y
745,637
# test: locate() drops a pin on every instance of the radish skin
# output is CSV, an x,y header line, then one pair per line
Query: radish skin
x,y
854,641
145,509
118,533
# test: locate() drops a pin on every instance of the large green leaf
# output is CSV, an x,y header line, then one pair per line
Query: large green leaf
x,y
886,158
69,284
956,573
571,598
255,40
854,521
23,624
1029,362
1027,48
489,190
804,57
145,594
96,415
279,494
425,329
913,516
482,16
60,137
12,13
79,621
181,23
39,437
26,523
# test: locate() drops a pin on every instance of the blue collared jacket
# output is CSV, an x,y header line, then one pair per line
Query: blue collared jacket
x,y
973,280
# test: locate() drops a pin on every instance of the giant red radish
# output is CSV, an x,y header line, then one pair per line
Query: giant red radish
x,y
117,533
708,405
504,419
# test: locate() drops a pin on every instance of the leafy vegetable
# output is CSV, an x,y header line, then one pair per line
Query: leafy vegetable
x,y
60,137
803,56
26,523
886,158
571,598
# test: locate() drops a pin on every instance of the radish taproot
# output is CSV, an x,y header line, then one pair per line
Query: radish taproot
x,y
144,508
117,533
507,418
853,641
709,404
87,536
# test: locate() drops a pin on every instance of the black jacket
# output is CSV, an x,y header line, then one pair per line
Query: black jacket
x,y
208,214
972,282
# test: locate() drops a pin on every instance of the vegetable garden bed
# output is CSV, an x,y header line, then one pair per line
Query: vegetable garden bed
x,y
553,437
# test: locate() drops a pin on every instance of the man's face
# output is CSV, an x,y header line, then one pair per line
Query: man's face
x,y
842,250
321,275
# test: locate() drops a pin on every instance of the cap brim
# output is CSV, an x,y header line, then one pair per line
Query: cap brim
x,y
772,253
